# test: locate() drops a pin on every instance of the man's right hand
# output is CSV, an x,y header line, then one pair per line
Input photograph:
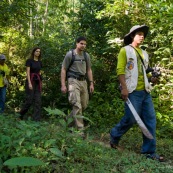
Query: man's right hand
x,y
124,93
63,89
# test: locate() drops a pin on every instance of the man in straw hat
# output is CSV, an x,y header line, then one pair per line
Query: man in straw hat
x,y
131,70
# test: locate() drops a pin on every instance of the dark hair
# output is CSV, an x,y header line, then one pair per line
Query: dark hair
x,y
33,51
138,30
81,38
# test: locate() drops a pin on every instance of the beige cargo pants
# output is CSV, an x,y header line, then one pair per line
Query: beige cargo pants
x,y
78,98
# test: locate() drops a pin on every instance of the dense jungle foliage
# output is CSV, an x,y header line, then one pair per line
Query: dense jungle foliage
x,y
53,26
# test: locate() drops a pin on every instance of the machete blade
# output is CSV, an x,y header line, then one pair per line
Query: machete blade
x,y
142,126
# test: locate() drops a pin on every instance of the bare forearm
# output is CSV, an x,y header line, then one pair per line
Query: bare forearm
x,y
124,91
28,74
122,81
90,75
63,76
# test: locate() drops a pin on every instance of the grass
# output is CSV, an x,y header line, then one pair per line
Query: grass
x,y
92,155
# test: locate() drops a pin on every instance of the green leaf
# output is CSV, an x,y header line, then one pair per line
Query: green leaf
x,y
20,141
70,120
23,161
165,59
54,111
49,142
63,123
78,116
57,152
28,133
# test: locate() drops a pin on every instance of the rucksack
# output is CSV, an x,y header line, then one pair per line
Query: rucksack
x,y
73,59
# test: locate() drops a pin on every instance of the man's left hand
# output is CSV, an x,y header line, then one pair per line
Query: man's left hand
x,y
91,87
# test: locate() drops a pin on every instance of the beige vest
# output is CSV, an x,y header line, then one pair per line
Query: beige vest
x,y
131,71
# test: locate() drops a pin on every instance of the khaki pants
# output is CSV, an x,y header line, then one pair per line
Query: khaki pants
x,y
78,98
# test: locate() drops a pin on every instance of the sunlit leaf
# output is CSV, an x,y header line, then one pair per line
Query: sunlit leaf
x,y
57,152
23,161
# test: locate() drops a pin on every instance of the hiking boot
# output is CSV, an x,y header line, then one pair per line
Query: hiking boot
x,y
156,157
114,146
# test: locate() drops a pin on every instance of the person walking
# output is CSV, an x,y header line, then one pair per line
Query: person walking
x,y
4,76
33,85
131,70
76,69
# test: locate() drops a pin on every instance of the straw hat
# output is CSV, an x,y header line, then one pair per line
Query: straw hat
x,y
134,29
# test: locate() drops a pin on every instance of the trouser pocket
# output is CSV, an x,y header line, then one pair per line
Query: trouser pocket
x,y
72,95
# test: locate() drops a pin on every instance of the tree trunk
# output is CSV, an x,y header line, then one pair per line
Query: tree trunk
x,y
45,17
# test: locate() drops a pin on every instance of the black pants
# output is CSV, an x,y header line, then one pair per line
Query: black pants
x,y
33,97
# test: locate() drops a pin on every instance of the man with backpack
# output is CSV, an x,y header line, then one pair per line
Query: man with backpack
x,y
75,67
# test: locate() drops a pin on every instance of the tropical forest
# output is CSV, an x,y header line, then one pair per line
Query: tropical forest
x,y
51,145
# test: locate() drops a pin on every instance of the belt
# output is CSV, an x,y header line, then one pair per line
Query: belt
x,y
78,78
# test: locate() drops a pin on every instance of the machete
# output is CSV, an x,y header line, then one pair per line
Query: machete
x,y
142,126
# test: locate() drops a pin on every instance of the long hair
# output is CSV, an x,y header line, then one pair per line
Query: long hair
x,y
33,51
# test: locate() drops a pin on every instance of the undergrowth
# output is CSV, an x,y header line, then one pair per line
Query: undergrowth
x,y
64,151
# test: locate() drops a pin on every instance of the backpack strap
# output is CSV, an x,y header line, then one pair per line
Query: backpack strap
x,y
147,69
85,56
73,59
139,56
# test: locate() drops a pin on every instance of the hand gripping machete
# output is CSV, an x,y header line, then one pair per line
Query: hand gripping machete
x,y
142,126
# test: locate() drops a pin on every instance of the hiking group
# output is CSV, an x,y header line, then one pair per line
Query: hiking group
x,y
135,85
